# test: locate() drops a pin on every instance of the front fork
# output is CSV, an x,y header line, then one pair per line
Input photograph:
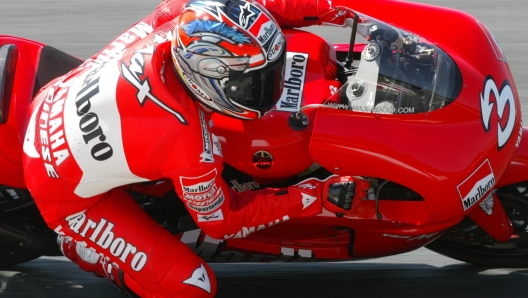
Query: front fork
x,y
492,218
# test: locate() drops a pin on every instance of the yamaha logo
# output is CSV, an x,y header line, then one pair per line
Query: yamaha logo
x,y
262,160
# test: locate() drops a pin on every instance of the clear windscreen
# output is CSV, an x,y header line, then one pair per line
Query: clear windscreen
x,y
393,71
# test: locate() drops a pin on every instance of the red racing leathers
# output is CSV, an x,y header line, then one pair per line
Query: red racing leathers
x,y
123,117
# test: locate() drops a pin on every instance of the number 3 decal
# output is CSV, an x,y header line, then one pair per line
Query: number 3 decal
x,y
503,97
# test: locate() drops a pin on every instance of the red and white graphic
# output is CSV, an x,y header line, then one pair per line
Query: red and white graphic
x,y
506,109
263,29
307,200
487,204
199,279
201,193
92,128
477,185
292,93
100,232
276,47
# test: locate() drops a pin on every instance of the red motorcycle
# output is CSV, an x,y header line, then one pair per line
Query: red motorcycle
x,y
429,115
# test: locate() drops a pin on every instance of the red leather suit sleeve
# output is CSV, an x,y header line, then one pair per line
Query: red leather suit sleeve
x,y
195,166
297,13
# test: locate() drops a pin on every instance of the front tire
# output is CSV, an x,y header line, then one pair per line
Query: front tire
x,y
469,243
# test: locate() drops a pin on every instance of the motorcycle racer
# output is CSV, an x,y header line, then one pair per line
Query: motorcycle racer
x,y
142,112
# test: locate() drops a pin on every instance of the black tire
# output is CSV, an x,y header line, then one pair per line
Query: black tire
x,y
468,243
9,259
18,203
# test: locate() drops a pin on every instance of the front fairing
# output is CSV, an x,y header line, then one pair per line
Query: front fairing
x,y
445,126
397,71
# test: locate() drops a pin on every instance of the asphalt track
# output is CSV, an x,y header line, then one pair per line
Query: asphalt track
x,y
81,28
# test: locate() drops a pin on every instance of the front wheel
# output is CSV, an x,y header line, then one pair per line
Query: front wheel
x,y
469,243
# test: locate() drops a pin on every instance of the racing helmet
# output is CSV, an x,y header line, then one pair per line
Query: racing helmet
x,y
230,55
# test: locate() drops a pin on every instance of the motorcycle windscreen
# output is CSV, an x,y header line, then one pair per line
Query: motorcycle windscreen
x,y
398,72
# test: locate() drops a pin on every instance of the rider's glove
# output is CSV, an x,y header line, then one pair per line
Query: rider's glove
x,y
338,194
343,194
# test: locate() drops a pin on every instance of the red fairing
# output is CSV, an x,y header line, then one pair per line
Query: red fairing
x,y
517,170
26,57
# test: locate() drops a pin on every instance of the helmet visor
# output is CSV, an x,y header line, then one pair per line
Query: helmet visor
x,y
260,89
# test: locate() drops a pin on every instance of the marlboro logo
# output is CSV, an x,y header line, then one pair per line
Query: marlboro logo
x,y
200,184
201,193
102,235
291,99
476,186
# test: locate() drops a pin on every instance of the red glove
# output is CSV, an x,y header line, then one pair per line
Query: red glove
x,y
339,194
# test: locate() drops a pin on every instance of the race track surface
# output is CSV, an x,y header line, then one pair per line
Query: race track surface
x,y
417,274
82,28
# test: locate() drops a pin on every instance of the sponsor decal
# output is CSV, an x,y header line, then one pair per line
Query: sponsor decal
x,y
134,72
93,131
333,90
477,185
102,235
493,42
244,14
307,186
291,98
241,187
276,47
217,146
207,154
215,216
244,18
195,88
200,279
487,204
262,160
246,231
267,31
54,148
201,194
506,109
89,121
307,200
208,205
